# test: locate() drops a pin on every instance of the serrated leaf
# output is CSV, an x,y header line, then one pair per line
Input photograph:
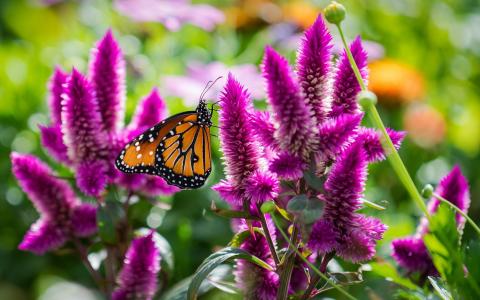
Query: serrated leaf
x,y
216,259
297,204
439,286
240,237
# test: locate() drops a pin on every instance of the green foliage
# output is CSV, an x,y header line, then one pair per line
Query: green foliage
x,y
216,259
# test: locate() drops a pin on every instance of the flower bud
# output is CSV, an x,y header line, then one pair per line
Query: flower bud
x,y
335,13
268,207
366,98
427,191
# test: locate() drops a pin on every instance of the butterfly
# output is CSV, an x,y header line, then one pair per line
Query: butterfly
x,y
177,149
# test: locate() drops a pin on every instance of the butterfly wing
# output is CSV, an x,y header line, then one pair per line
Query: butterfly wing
x,y
184,157
139,156
177,149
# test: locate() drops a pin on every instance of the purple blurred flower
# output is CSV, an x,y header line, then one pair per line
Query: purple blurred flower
x,y
240,148
151,110
372,140
287,166
107,73
52,140
171,13
62,215
198,73
314,64
256,282
296,129
410,252
345,85
138,277
341,229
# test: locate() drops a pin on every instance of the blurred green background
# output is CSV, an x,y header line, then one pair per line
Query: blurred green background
x,y
425,58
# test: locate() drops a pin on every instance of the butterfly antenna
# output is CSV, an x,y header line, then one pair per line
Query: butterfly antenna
x,y
209,85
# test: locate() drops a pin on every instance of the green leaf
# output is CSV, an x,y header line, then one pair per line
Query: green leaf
x,y
297,204
216,259
469,288
346,278
179,290
439,286
388,271
442,242
313,211
240,237
109,215
231,214
313,181
284,213
373,205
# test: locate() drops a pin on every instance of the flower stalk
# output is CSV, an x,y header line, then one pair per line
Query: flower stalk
x,y
392,154
288,263
271,245
461,212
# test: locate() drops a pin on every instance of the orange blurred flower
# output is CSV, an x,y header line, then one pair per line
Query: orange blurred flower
x,y
245,13
424,125
395,83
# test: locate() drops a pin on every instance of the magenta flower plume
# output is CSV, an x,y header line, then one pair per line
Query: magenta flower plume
x,y
138,277
56,85
107,72
62,215
262,186
410,252
264,129
341,229
296,131
287,166
335,134
83,134
412,255
240,148
52,140
256,282
345,85
157,186
151,110
314,64
372,140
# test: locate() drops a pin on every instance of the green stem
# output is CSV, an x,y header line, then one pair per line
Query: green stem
x,y
312,266
268,236
316,279
393,156
288,264
475,226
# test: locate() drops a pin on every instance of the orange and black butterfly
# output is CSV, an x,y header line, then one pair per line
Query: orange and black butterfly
x,y
177,149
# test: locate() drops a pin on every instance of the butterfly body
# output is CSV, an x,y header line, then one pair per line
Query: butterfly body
x,y
177,149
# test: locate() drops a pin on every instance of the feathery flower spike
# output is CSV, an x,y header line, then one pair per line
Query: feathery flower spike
x,y
56,86
345,85
296,131
107,73
83,134
240,148
138,277
341,229
314,64
372,141
61,213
